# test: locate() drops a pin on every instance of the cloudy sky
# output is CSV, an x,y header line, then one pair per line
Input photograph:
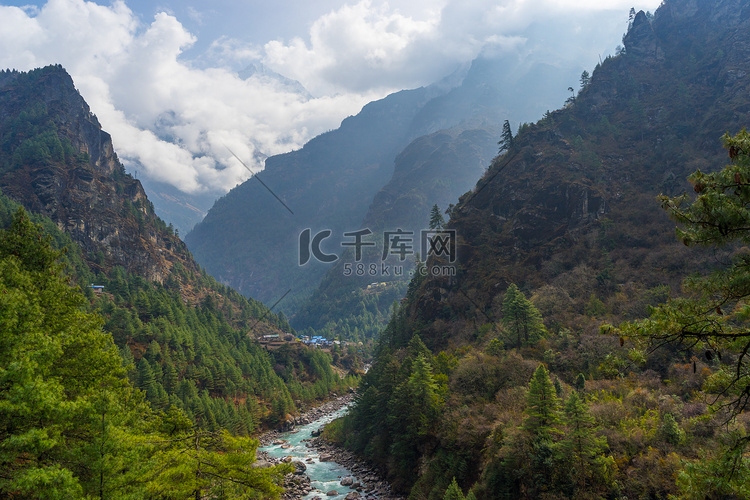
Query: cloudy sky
x,y
165,78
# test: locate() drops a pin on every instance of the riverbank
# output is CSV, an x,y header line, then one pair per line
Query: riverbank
x,y
363,481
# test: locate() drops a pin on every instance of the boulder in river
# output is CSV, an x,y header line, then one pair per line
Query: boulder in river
x,y
332,493
299,467
347,481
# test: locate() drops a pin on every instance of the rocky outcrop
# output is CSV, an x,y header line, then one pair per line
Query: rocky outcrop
x,y
641,41
82,186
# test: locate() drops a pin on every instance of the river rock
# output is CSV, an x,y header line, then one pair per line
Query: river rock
x,y
277,442
347,481
325,458
299,467
352,496
332,493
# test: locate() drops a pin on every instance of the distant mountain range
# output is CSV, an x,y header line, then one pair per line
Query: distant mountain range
x,y
251,241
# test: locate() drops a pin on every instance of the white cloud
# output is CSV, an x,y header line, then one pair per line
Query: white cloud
x,y
371,45
177,117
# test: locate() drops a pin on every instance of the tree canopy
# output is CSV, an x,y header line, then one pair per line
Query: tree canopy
x,y
522,321
71,425
713,318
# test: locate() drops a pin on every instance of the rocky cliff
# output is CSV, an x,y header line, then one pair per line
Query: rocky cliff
x,y
56,160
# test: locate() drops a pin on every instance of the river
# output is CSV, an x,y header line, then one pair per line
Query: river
x,y
324,476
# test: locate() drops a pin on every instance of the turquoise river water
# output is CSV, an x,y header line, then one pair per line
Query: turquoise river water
x,y
325,476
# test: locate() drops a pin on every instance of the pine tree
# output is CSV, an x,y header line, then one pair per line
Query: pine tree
x,y
425,402
585,79
506,139
64,404
580,382
713,317
580,444
437,222
453,492
521,319
541,405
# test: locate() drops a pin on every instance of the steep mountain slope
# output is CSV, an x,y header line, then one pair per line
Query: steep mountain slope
x,y
580,186
58,162
250,240
570,214
188,340
434,169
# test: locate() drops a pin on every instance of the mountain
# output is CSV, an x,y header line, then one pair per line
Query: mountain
x,y
251,241
434,169
186,340
468,384
262,72
182,210
58,162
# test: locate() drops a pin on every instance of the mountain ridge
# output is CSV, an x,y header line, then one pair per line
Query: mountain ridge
x,y
567,224
331,181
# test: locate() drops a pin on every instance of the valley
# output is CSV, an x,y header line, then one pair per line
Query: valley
x,y
569,318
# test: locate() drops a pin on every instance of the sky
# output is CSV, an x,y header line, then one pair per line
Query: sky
x,y
166,78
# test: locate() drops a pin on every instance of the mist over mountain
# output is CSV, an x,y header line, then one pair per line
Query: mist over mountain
x,y
354,298
251,241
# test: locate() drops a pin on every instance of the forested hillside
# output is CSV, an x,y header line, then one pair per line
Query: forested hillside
x,y
187,341
510,376
71,426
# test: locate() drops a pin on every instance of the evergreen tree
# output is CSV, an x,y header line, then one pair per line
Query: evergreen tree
x,y
542,404
714,317
437,222
521,319
64,395
506,139
71,426
585,79
580,382
453,492
582,447
425,402
203,464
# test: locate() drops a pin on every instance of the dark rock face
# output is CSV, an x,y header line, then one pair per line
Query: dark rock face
x,y
641,41
85,191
